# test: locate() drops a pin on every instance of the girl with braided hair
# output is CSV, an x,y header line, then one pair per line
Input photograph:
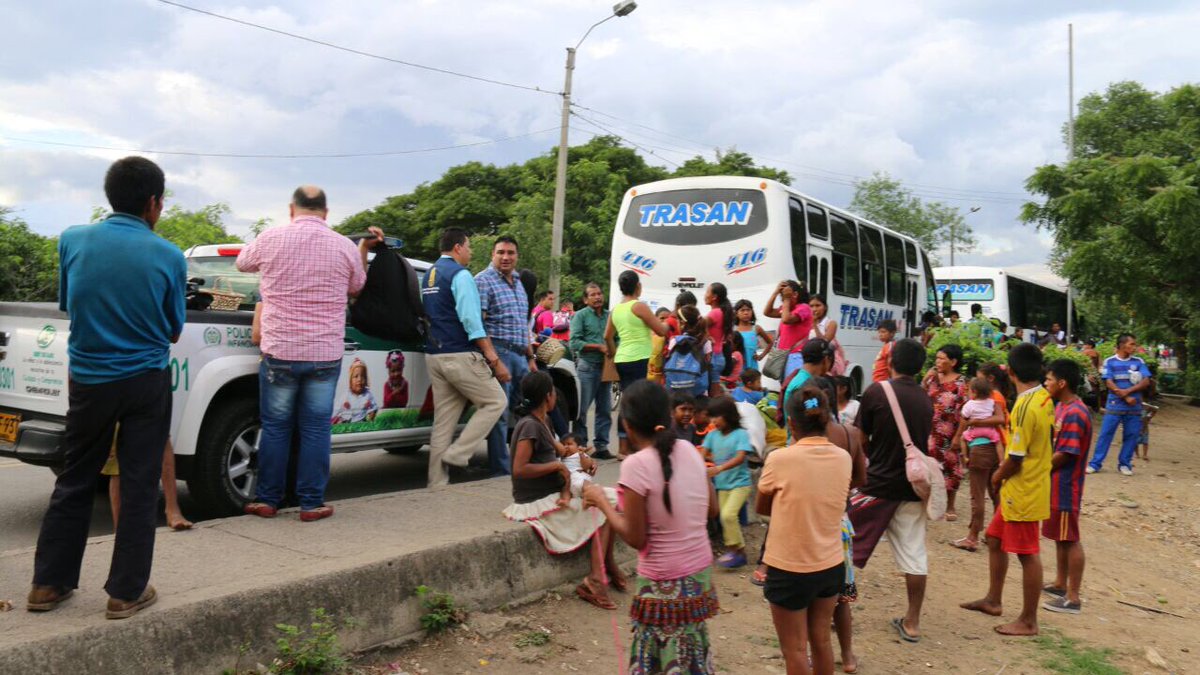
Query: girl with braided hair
x,y
666,500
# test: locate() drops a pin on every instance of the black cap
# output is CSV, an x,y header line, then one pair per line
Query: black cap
x,y
815,350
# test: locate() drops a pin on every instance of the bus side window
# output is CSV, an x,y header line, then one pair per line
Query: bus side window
x,y
845,257
872,263
799,240
910,254
824,278
818,226
897,287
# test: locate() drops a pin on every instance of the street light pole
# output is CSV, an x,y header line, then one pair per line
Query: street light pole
x,y
622,8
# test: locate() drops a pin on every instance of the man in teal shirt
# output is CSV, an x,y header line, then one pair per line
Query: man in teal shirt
x,y
818,358
123,287
587,344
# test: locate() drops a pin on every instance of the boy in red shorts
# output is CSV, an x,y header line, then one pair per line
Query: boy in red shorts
x,y
1073,437
1024,482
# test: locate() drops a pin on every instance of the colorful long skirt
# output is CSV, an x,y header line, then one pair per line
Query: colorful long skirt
x,y
669,633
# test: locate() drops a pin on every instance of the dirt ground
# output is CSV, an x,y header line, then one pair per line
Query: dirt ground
x,y
1142,540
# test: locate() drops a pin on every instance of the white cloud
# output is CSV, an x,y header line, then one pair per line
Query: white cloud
x,y
948,96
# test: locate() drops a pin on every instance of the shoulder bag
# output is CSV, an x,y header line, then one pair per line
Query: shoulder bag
x,y
923,471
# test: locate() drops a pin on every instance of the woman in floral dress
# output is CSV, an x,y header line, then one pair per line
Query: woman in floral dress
x,y
947,388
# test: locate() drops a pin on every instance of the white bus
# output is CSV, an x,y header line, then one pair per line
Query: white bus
x,y
750,234
1020,302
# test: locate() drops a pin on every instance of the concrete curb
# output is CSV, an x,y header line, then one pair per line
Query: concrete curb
x,y
492,565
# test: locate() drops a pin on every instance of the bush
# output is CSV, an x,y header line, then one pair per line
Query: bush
x,y
440,610
312,650
968,336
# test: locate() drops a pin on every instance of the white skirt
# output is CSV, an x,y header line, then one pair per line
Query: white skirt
x,y
561,529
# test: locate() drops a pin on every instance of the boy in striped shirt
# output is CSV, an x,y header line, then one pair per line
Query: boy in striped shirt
x,y
1072,438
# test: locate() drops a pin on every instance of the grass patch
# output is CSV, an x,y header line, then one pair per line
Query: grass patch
x,y
534,638
441,612
1067,656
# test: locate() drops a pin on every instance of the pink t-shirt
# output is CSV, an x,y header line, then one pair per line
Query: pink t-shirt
x,y
976,409
791,335
716,325
676,542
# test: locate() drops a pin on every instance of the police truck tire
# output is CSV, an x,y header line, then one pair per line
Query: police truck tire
x,y
210,484
404,449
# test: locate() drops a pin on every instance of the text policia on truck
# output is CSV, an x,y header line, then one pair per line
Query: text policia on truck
x,y
750,234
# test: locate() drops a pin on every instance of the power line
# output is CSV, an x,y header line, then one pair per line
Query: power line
x,y
610,132
239,155
837,177
351,50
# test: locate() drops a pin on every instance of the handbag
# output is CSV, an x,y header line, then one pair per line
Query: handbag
x,y
610,374
775,364
923,471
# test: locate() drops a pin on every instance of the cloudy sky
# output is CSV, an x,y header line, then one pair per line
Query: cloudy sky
x,y
959,99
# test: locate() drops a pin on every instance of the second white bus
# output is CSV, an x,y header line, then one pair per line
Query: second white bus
x,y
1020,302
750,234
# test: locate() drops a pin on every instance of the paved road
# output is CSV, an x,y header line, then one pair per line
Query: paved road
x,y
25,491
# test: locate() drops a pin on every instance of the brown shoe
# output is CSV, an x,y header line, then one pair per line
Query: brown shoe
x,y
46,598
123,609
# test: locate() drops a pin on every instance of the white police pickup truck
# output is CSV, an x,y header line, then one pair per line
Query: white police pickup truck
x,y
214,378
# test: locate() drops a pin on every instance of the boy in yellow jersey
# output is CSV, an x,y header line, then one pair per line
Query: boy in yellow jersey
x,y
1024,481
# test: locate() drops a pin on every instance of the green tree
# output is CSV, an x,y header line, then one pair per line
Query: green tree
x,y
28,262
1125,214
186,228
935,225
731,162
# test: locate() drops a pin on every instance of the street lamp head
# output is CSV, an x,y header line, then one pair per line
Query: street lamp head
x,y
624,8
975,208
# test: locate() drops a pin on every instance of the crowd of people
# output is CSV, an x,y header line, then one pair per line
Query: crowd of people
x,y
693,426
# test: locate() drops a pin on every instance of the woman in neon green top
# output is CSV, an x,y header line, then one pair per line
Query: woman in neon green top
x,y
630,322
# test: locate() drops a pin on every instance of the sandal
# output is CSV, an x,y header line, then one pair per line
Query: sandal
x,y
758,578
951,517
620,584
586,594
898,624
965,544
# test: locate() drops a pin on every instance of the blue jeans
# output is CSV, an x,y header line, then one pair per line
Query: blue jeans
x,y
715,366
592,389
497,440
1132,430
794,362
295,395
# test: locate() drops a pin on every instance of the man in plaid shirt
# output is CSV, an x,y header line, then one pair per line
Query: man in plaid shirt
x,y
505,306
307,274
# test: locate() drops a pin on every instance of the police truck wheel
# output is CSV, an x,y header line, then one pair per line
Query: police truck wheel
x,y
226,465
404,449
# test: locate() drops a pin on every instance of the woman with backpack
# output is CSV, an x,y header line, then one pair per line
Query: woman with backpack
x,y
627,336
719,322
688,355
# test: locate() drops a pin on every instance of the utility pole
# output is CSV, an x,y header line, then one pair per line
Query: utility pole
x,y
560,181
622,8
1070,156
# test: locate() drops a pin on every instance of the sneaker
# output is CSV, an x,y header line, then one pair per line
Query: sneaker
x,y
1062,606
46,598
123,609
1089,469
1125,470
602,455
731,560
323,511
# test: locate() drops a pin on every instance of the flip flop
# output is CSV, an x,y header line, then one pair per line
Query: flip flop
x,y
585,593
951,517
898,624
758,578
962,545
621,584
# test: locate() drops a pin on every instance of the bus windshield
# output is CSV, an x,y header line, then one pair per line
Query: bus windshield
x,y
695,217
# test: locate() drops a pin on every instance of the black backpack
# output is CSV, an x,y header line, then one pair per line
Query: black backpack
x,y
389,306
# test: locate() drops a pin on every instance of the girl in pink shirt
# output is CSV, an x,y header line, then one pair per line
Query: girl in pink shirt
x,y
795,321
667,500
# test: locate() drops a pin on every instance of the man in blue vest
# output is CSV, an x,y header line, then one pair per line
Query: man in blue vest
x,y
463,365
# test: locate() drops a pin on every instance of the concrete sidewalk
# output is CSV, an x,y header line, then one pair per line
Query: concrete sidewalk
x,y
228,582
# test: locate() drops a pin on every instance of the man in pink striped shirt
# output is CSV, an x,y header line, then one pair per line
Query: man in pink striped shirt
x,y
307,273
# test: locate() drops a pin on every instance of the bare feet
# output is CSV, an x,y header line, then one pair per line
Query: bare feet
x,y
849,663
1017,628
564,500
951,516
177,522
986,606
